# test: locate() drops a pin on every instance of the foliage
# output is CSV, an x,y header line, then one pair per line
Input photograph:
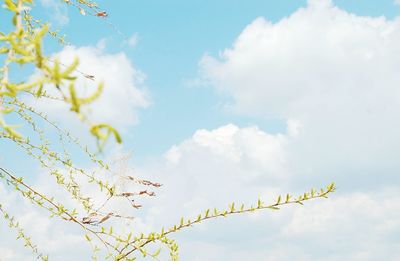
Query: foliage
x,y
23,46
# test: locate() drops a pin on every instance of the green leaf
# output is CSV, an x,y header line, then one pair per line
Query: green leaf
x,y
216,212
279,200
157,253
11,6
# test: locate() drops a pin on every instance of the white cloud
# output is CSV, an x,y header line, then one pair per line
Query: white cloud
x,y
212,168
215,167
133,40
7,254
396,2
123,92
58,9
332,72
317,57
231,145
53,237
122,97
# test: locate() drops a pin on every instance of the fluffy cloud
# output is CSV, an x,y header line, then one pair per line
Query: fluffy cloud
x,y
123,92
122,97
52,236
214,167
58,9
211,168
320,57
335,73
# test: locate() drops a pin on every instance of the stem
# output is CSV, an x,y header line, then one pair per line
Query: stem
x,y
323,194
70,217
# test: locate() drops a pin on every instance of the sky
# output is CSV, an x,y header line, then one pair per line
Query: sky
x,y
227,101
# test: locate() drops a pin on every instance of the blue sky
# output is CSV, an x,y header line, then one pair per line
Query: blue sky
x,y
235,100
172,38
